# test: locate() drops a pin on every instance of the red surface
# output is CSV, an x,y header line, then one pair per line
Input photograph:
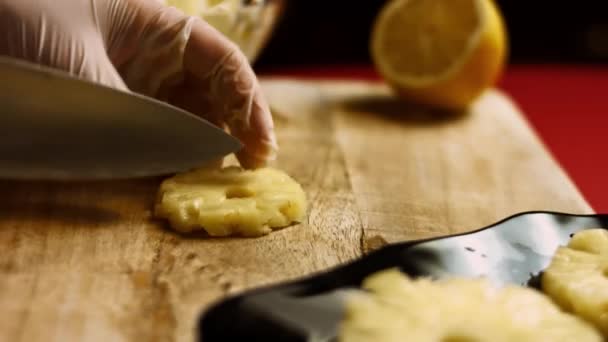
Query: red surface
x,y
567,105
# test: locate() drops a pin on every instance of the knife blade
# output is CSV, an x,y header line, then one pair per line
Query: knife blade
x,y
55,126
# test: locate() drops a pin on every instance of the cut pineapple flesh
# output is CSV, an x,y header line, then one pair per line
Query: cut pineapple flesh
x,y
577,278
231,201
397,308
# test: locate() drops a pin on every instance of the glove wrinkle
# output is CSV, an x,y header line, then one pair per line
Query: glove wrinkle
x,y
78,60
118,21
161,47
42,36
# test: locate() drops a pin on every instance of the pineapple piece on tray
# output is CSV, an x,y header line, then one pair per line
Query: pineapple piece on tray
x,y
397,308
577,278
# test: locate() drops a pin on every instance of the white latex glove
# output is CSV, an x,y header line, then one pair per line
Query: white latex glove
x,y
149,48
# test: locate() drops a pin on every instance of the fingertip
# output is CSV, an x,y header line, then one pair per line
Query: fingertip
x,y
248,161
257,156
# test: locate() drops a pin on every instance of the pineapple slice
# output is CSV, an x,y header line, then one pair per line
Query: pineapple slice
x,y
577,278
397,308
231,201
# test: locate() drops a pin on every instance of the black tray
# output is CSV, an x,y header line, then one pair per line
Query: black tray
x,y
514,250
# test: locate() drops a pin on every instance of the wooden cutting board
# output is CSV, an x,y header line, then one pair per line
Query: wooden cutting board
x,y
87,262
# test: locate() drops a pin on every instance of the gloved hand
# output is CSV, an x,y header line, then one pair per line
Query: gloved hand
x,y
149,48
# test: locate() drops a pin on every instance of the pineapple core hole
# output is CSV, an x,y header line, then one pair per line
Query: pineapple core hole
x,y
239,192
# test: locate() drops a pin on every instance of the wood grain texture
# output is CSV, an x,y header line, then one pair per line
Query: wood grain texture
x,y
86,261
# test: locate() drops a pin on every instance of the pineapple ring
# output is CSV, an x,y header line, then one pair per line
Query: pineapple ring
x,y
231,201
577,278
397,308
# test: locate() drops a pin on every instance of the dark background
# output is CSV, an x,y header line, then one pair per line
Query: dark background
x,y
565,103
337,32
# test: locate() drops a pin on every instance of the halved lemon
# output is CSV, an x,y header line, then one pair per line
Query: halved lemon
x,y
443,53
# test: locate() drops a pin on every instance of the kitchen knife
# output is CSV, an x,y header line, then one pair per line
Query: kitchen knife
x,y
56,126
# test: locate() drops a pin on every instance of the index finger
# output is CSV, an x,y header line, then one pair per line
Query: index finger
x,y
211,56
